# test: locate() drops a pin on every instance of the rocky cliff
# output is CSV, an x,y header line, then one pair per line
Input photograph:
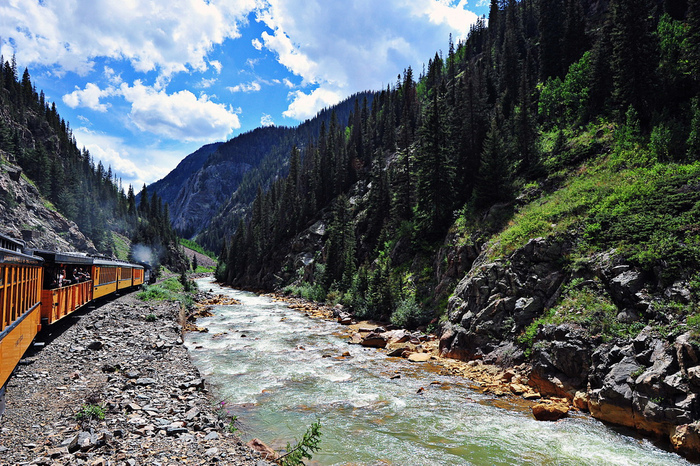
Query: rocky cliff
x,y
27,216
621,349
207,178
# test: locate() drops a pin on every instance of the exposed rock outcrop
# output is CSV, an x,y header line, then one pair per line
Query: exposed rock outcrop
x,y
499,298
650,382
28,218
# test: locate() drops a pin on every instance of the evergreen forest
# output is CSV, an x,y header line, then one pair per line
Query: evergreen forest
x,y
35,137
554,117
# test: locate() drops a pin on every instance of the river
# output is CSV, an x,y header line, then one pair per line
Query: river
x,y
279,371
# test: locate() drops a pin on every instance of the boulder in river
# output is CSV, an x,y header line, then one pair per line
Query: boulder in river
x,y
550,411
374,340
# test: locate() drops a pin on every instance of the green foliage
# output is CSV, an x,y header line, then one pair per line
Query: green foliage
x,y
588,307
305,290
693,323
651,218
408,314
566,102
639,371
169,289
309,443
231,427
196,247
187,284
121,246
150,318
88,412
156,293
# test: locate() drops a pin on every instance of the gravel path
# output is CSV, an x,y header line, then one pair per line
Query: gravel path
x,y
157,408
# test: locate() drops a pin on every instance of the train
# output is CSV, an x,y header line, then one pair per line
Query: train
x,y
39,288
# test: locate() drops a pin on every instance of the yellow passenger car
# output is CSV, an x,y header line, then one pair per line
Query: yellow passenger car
x,y
67,284
20,298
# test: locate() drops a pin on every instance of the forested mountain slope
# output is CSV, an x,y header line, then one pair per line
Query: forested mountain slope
x,y
214,187
533,196
52,193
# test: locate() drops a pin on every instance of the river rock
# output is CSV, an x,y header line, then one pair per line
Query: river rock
x,y
374,340
419,357
266,452
549,411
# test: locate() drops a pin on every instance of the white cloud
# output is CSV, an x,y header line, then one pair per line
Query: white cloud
x,y
88,97
136,166
252,87
169,37
181,115
206,83
257,45
266,120
341,48
288,83
305,106
216,64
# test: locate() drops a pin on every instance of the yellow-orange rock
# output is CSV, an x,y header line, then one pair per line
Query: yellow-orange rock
x,y
266,452
550,411
419,357
686,440
581,401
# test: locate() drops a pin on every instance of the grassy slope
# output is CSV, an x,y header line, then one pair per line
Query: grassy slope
x,y
622,198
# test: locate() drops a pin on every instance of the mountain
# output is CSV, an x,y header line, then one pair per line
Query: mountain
x,y
169,187
214,187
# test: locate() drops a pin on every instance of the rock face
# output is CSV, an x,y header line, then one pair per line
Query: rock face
x,y
498,299
26,217
198,187
650,383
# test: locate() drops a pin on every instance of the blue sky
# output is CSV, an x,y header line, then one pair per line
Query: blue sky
x,y
143,83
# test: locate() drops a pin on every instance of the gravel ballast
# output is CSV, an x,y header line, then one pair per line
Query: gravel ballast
x,y
127,357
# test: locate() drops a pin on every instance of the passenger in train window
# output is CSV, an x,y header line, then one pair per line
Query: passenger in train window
x,y
76,275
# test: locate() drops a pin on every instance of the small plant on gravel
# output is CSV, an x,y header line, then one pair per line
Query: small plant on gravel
x,y
151,318
90,411
232,425
302,450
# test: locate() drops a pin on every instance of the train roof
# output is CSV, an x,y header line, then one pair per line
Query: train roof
x,y
65,257
115,263
13,257
11,244
76,258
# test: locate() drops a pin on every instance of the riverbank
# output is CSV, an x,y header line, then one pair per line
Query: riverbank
x,y
421,347
124,361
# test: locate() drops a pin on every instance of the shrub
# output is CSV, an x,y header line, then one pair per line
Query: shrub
x,y
90,411
408,313
302,450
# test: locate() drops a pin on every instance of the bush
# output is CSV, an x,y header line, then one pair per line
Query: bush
x,y
90,411
407,314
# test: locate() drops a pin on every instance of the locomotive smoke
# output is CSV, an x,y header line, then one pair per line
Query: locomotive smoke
x,y
142,253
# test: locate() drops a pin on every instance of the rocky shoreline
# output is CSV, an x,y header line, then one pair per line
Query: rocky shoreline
x,y
128,358
422,347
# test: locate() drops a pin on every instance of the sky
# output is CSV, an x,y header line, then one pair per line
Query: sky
x,y
144,83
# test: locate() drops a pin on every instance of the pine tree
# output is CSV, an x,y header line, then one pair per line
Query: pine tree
x,y
692,42
493,181
633,62
551,34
